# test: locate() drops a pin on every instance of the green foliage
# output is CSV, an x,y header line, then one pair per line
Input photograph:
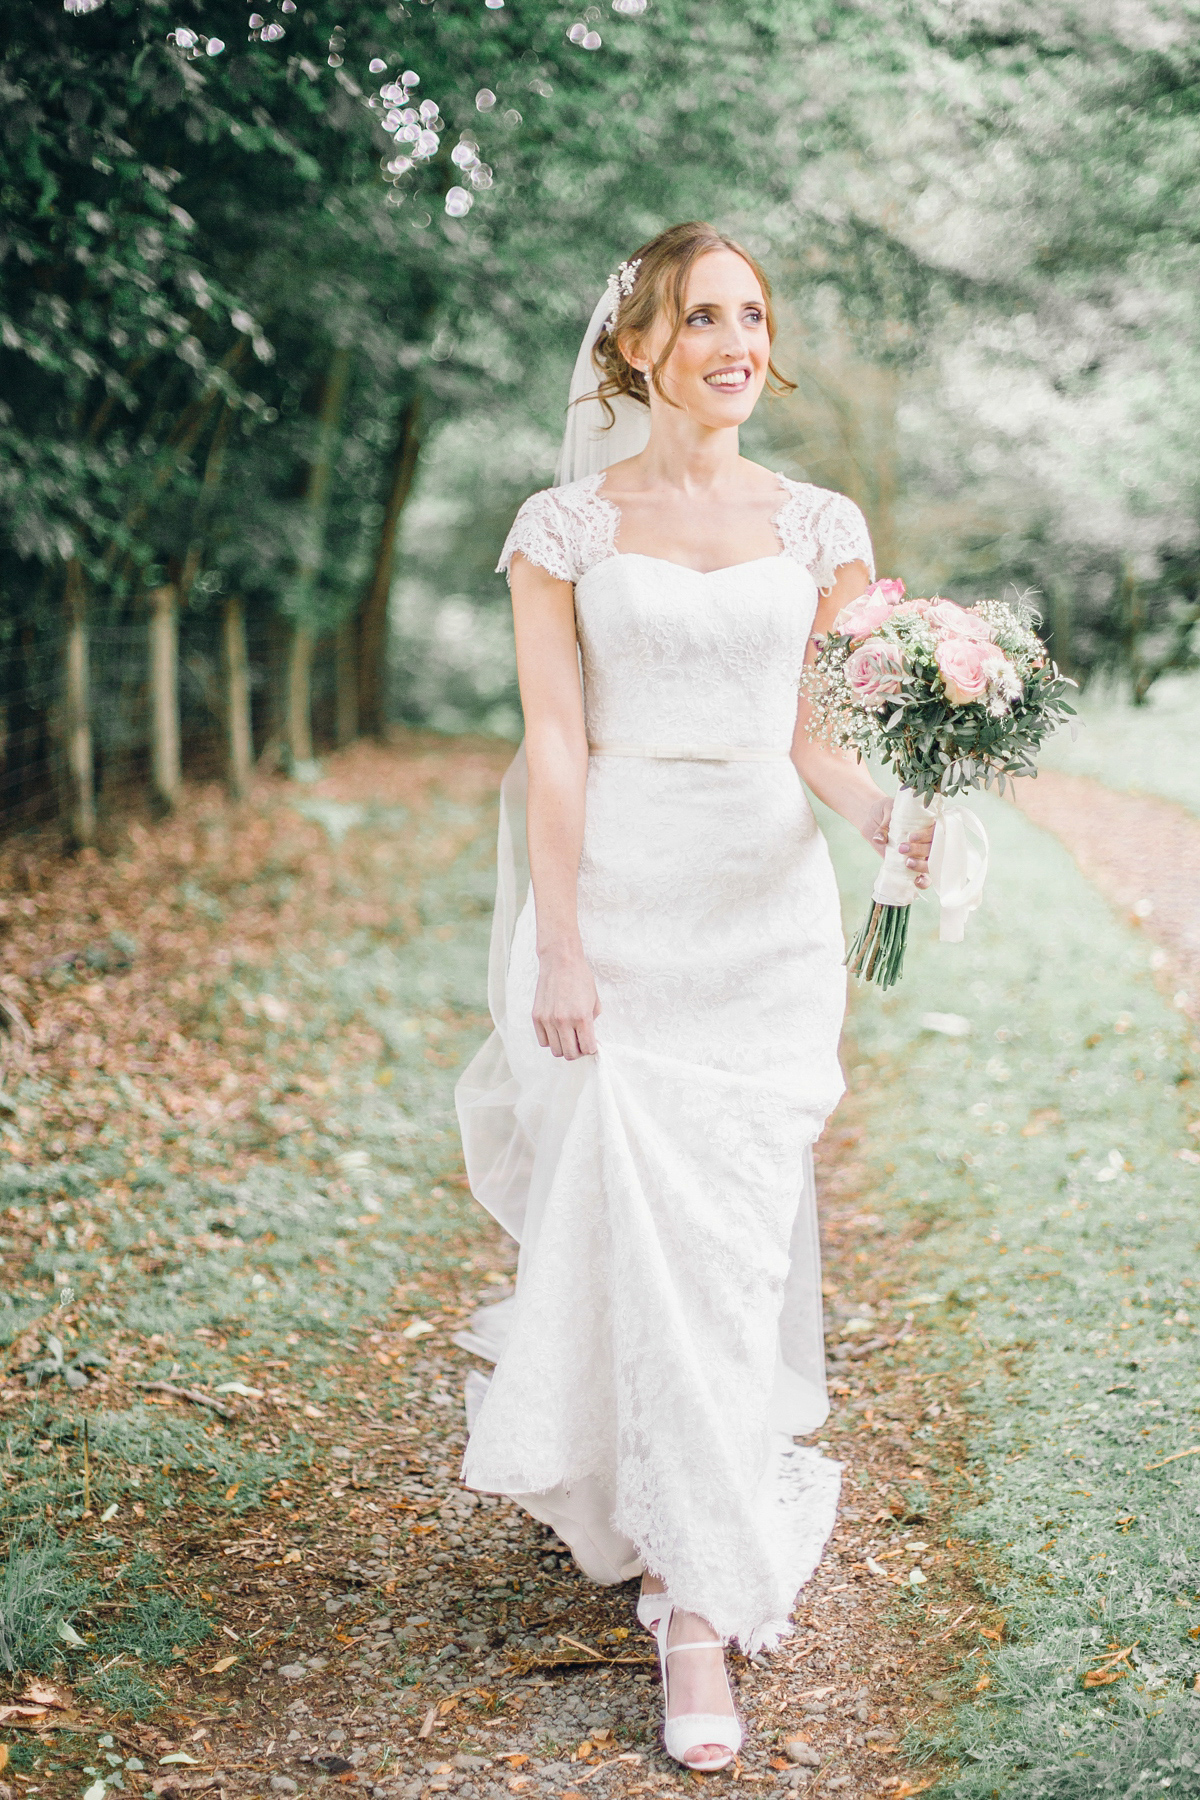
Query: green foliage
x,y
226,283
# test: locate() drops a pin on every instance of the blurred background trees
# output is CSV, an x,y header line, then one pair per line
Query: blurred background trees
x,y
288,301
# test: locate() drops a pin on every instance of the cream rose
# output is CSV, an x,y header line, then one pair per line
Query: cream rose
x,y
874,672
959,621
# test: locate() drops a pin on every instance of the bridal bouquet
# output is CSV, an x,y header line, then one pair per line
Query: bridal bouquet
x,y
951,698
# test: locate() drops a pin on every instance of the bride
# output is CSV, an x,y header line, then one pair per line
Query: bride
x,y
669,996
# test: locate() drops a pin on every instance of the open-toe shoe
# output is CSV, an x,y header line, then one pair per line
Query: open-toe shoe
x,y
690,1730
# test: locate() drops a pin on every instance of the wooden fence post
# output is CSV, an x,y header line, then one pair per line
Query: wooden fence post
x,y
237,696
299,695
77,723
346,676
164,694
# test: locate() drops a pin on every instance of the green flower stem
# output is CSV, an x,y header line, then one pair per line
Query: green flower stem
x,y
877,953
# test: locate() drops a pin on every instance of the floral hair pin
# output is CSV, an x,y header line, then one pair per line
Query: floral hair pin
x,y
620,286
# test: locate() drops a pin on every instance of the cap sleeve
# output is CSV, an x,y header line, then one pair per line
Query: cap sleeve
x,y
823,530
842,537
541,532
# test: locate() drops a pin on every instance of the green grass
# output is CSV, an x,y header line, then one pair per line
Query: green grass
x,y
123,1692
36,1590
1151,749
1065,1264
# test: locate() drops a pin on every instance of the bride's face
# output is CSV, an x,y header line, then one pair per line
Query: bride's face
x,y
719,364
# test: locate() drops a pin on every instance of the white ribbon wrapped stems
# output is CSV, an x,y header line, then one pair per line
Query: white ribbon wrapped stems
x,y
958,861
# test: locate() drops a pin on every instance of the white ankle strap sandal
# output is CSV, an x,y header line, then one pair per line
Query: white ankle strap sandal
x,y
650,1609
690,1730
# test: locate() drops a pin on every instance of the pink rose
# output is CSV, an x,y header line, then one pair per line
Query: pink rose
x,y
914,609
874,672
959,621
963,664
862,616
890,590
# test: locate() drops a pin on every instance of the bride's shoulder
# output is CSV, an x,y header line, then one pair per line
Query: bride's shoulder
x,y
557,528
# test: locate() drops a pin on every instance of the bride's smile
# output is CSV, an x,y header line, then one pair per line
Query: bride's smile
x,y
714,361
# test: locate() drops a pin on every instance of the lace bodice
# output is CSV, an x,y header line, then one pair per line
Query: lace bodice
x,y
568,530
673,656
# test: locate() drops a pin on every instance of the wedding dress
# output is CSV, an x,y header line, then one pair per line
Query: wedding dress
x,y
664,1342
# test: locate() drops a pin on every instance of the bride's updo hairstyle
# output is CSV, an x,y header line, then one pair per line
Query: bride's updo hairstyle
x,y
660,271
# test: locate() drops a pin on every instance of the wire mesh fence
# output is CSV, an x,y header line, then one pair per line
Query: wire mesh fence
x,y
119,698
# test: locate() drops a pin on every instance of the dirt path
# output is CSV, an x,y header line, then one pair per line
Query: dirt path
x,y
355,1617
1143,853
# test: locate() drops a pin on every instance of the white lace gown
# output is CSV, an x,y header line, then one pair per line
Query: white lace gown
x,y
664,1342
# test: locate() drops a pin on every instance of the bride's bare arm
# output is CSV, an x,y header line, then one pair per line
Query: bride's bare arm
x,y
836,776
566,1002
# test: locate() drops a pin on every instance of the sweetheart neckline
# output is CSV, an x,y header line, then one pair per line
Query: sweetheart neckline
x,y
749,562
780,555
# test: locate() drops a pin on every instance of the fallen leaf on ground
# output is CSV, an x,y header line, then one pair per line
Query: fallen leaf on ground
x,y
219,1668
41,1693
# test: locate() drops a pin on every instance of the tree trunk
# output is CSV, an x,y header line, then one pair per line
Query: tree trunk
x,y
77,724
237,697
346,671
310,557
299,696
205,502
373,615
164,694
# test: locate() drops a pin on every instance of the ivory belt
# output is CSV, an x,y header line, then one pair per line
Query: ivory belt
x,y
691,752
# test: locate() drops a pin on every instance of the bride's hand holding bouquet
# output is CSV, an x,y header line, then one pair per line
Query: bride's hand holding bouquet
x,y
951,698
